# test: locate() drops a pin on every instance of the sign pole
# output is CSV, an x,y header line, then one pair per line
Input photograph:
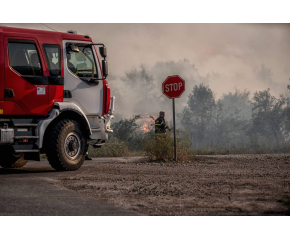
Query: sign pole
x,y
175,152
173,87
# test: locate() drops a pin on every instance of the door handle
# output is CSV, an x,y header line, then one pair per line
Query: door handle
x,y
8,93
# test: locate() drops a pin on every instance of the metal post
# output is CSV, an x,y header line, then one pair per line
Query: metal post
x,y
175,153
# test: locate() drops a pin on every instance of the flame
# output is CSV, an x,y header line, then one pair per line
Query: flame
x,y
145,128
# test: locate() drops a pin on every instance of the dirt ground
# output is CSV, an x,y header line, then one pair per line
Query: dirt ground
x,y
211,185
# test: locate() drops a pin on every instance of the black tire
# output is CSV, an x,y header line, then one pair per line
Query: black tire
x,y
10,159
67,146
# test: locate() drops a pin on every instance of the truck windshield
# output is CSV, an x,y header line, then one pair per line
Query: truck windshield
x,y
82,63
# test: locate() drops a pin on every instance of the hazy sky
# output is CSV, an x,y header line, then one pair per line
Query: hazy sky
x,y
231,53
225,56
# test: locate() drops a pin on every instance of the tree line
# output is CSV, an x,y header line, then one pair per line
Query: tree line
x,y
237,122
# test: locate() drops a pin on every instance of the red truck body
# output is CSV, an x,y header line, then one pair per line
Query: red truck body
x,y
54,97
26,101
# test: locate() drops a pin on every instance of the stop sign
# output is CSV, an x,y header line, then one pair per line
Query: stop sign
x,y
173,86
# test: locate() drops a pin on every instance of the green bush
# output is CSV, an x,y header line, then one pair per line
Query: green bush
x,y
113,148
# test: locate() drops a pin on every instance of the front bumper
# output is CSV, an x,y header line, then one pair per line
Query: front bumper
x,y
101,126
110,116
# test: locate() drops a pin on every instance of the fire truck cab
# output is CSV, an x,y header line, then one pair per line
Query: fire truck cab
x,y
54,97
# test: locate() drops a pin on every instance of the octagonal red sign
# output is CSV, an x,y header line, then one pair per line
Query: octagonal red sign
x,y
173,86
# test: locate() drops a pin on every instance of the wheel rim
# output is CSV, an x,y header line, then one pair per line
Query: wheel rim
x,y
72,145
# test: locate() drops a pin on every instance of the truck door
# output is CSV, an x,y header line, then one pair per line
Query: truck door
x,y
25,82
79,68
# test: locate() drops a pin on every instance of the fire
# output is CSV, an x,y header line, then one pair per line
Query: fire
x,y
145,128
146,122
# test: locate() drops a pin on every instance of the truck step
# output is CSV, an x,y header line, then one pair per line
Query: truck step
x,y
26,151
25,124
98,145
26,137
25,148
96,129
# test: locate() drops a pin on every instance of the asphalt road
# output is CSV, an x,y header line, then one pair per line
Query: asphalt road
x,y
33,191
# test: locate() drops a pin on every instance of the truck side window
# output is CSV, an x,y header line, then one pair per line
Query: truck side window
x,y
24,58
52,54
82,63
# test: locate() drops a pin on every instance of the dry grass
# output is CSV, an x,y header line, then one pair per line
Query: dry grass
x,y
162,149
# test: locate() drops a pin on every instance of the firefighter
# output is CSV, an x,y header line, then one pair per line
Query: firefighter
x,y
160,125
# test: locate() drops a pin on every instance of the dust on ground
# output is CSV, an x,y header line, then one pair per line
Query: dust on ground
x,y
211,185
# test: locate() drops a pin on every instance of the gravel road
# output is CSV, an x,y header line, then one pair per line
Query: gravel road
x,y
34,191
211,185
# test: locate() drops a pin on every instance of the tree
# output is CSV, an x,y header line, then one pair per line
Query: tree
x,y
267,118
238,103
198,114
136,76
286,118
125,129
215,123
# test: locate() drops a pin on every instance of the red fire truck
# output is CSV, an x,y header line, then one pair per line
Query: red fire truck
x,y
54,97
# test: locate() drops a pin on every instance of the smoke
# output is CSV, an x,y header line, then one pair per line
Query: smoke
x,y
238,102
224,56
139,90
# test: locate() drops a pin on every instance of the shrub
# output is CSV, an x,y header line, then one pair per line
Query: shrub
x,y
162,149
113,148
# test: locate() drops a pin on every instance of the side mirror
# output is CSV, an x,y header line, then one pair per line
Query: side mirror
x,y
74,48
103,51
105,68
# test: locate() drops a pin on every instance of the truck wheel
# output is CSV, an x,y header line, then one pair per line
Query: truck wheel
x,y
67,146
9,159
